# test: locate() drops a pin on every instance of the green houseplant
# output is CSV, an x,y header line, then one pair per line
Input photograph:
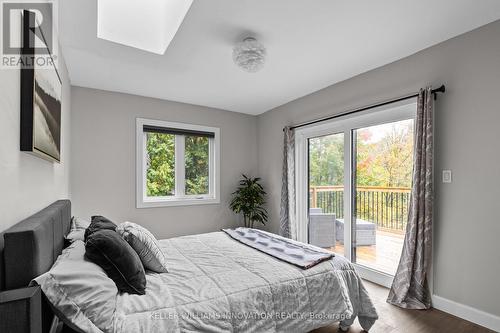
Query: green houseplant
x,y
248,199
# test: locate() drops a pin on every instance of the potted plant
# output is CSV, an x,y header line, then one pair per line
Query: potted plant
x,y
248,199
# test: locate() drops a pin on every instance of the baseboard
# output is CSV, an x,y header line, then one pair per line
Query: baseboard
x,y
466,312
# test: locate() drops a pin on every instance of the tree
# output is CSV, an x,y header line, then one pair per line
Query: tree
x,y
197,160
326,160
384,158
160,174
396,156
388,161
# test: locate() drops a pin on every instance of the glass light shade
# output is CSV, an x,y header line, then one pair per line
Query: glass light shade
x,y
249,55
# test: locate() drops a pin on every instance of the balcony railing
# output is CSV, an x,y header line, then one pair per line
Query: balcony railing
x,y
387,207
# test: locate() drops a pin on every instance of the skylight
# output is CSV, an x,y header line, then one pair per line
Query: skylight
x,y
147,25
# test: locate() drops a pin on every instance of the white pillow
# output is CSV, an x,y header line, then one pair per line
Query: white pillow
x,y
79,223
80,291
76,234
77,229
145,244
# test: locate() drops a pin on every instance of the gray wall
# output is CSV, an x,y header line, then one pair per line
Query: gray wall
x,y
467,224
29,183
103,160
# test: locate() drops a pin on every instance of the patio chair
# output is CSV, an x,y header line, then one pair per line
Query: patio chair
x,y
321,228
366,232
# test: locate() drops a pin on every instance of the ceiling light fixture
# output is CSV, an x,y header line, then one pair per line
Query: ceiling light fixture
x,y
146,25
249,55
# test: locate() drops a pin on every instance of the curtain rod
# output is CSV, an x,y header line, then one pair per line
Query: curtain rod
x,y
441,89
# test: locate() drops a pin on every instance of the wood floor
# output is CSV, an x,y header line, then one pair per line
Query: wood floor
x,y
384,256
396,320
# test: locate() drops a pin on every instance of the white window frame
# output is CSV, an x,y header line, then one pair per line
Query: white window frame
x,y
180,198
345,125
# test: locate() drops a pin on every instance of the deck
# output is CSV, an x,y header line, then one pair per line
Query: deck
x,y
382,257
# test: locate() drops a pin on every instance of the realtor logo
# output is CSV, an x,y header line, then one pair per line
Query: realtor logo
x,y
39,41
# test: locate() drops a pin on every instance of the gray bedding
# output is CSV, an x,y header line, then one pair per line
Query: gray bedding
x,y
217,284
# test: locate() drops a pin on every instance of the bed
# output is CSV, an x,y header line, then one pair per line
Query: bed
x,y
215,284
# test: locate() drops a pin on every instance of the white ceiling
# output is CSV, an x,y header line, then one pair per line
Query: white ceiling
x,y
311,44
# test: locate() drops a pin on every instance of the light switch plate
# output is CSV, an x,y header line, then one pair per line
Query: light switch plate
x,y
447,176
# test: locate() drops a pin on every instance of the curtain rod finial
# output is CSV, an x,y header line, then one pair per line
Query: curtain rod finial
x,y
441,89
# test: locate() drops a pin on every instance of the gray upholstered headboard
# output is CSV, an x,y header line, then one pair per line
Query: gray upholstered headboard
x,y
32,245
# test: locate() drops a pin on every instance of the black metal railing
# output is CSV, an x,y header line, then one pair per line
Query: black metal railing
x,y
387,207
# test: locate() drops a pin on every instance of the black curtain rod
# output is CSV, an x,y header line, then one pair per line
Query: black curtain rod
x,y
441,89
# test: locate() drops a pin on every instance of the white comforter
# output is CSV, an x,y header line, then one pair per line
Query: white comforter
x,y
215,284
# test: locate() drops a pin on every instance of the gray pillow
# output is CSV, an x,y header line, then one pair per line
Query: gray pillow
x,y
77,288
145,244
98,223
107,249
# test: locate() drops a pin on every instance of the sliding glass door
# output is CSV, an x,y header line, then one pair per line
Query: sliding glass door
x,y
382,172
353,187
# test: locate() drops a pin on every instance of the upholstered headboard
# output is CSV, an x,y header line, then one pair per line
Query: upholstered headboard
x,y
32,245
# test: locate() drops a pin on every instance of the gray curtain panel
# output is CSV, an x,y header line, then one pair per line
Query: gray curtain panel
x,y
287,211
410,287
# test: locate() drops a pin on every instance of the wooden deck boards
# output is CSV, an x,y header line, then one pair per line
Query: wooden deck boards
x,y
384,256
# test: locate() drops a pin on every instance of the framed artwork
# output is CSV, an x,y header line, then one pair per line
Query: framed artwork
x,y
41,90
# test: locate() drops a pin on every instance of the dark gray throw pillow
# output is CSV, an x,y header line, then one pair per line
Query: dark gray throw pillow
x,y
118,259
98,223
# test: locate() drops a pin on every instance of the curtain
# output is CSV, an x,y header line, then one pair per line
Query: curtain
x,y
287,209
410,287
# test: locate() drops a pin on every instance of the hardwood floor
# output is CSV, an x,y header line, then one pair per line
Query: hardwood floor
x,y
396,320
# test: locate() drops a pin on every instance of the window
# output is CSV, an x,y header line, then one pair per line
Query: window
x,y
177,164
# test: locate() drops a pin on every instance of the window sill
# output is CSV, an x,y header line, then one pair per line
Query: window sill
x,y
172,202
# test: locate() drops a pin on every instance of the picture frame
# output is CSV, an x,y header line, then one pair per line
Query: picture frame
x,y
41,97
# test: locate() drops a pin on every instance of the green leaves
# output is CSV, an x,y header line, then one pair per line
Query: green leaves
x,y
248,200
388,161
160,176
326,160
197,169
384,156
